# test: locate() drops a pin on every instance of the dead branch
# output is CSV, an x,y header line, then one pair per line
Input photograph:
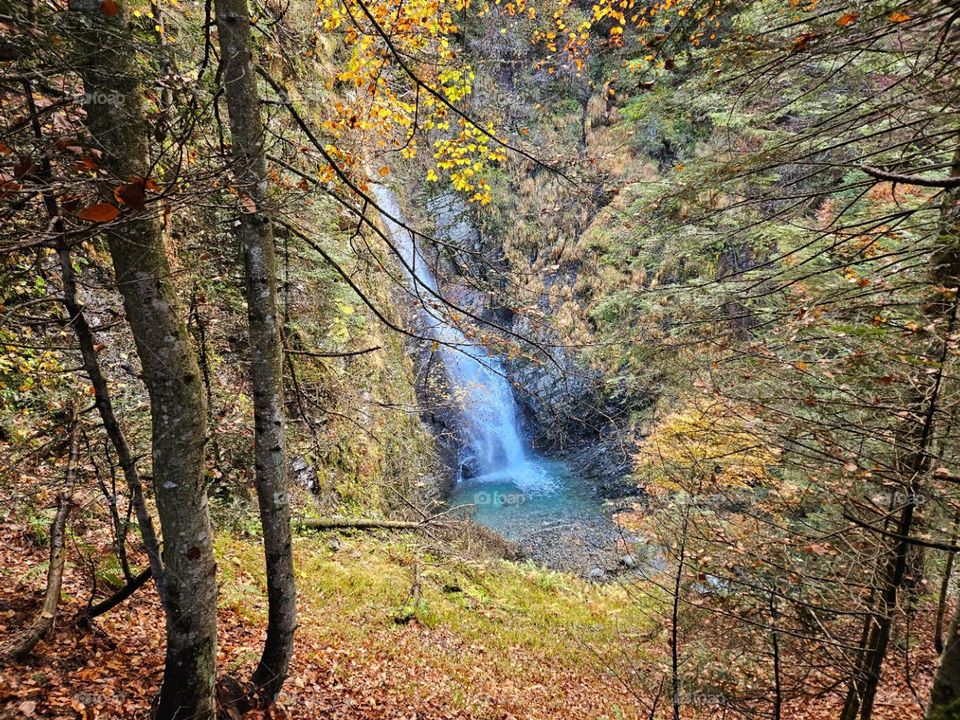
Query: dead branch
x,y
362,524
21,646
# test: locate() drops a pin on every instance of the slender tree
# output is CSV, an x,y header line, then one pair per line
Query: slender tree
x,y
945,695
116,120
256,236
43,622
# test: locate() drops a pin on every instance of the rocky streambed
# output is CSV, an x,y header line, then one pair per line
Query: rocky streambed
x,y
564,524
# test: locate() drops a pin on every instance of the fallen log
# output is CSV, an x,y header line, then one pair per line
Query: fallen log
x,y
361,524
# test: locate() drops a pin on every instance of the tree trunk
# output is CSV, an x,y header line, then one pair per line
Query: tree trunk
x,y
945,590
945,694
91,364
104,405
256,235
48,611
775,650
361,524
116,120
675,618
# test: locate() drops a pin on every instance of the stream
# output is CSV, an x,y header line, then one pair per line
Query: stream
x,y
554,516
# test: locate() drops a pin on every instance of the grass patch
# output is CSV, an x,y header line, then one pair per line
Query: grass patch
x,y
357,591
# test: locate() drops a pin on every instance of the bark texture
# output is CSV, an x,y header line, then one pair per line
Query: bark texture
x,y
256,236
917,438
117,123
945,695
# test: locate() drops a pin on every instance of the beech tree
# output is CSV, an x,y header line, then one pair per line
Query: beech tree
x,y
256,235
117,124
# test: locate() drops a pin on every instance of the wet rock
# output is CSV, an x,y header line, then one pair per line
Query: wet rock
x,y
606,466
597,574
305,474
628,561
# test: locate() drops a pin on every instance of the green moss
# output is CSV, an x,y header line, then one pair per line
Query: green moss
x,y
364,587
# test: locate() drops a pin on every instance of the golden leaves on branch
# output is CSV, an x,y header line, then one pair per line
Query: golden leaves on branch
x,y
394,111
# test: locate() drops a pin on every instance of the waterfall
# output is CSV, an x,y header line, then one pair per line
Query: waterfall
x,y
496,449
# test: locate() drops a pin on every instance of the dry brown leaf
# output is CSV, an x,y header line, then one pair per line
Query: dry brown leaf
x,y
102,212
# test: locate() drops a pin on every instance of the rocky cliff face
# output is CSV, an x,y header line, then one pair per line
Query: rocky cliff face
x,y
567,409
545,258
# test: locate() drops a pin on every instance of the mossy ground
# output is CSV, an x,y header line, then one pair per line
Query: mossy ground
x,y
482,632
488,639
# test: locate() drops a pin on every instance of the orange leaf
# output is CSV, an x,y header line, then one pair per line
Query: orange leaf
x,y
109,7
848,19
131,193
8,187
103,212
384,171
899,17
801,41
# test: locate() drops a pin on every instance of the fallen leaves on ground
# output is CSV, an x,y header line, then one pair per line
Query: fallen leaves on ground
x,y
388,671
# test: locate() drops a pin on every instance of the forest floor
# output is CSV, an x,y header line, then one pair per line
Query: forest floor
x,y
487,639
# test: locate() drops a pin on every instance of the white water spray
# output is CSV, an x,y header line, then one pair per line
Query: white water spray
x,y
496,449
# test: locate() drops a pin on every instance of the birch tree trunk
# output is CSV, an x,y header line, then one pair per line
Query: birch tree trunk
x,y
116,120
256,235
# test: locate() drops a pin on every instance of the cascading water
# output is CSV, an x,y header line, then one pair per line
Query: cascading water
x,y
496,450
552,514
